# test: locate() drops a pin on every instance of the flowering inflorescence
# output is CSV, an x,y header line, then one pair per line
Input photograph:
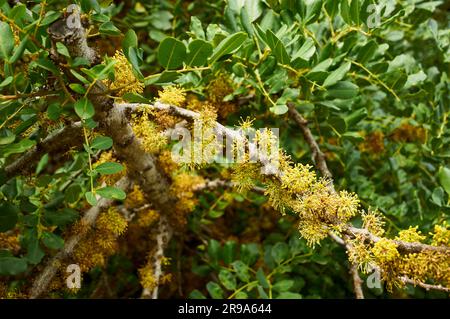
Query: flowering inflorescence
x,y
425,266
124,79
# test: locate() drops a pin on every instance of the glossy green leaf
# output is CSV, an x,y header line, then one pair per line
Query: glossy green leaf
x,y
337,74
171,53
7,41
228,45
111,192
8,216
108,168
199,51
84,108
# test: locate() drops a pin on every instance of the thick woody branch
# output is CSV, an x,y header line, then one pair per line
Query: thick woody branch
x,y
42,281
61,139
140,165
162,240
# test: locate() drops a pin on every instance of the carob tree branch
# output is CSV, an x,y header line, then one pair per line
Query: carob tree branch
x,y
61,139
407,280
141,166
231,133
44,278
321,164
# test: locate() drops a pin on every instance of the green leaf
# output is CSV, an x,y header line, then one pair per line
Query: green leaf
x,y
101,143
367,51
111,192
196,28
306,51
250,253
130,40
262,278
6,42
227,279
242,270
313,11
34,252
16,148
438,196
213,250
228,252
279,109
337,74
171,53
280,252
52,241
8,216
199,51
62,49
195,294
109,28
444,178
228,45
42,163
283,285
84,108
253,8
214,290
60,218
289,295
11,266
48,65
8,138
277,47
343,90
72,193
355,10
109,168
91,198
78,88
345,12
18,52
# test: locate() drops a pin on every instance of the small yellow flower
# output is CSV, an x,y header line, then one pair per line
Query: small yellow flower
x,y
385,250
410,235
172,95
124,78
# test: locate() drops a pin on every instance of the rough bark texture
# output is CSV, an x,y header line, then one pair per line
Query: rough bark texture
x,y
61,139
42,281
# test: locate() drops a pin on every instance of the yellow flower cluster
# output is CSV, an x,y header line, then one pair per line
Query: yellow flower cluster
x,y
147,278
373,222
147,217
101,240
135,198
410,235
320,210
426,266
441,235
124,78
385,251
152,140
172,95
220,87
204,143
182,187
10,241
